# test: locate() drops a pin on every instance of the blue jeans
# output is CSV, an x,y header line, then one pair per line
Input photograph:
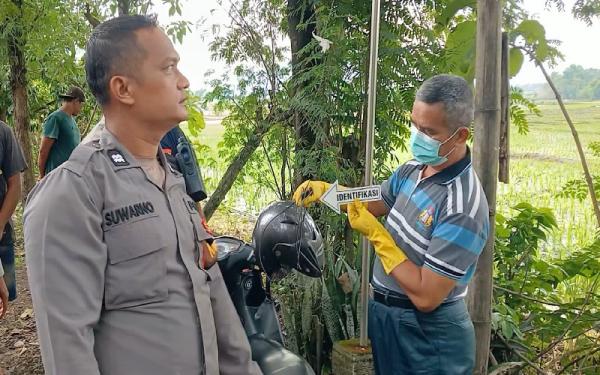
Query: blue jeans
x,y
7,257
406,341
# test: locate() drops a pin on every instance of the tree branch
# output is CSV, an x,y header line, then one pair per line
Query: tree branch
x,y
90,121
527,361
279,191
93,21
527,297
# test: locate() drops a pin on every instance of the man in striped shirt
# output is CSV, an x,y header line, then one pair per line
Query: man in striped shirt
x,y
437,223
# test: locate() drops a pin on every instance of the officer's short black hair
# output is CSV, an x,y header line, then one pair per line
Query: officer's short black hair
x,y
113,48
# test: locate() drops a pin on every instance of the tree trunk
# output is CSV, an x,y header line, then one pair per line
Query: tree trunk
x,y
124,7
18,85
298,12
485,161
235,168
504,172
93,21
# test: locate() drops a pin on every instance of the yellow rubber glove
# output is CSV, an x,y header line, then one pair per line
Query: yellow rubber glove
x,y
309,192
364,222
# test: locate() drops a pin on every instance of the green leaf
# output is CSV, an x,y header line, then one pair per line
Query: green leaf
x,y
460,48
502,232
523,206
307,303
331,317
506,328
542,51
515,61
452,7
531,30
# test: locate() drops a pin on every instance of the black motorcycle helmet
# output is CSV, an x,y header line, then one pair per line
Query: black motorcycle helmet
x,y
286,237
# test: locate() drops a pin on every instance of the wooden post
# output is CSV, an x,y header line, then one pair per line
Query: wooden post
x,y
503,173
485,161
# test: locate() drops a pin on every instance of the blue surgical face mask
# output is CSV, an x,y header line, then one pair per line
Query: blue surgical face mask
x,y
426,149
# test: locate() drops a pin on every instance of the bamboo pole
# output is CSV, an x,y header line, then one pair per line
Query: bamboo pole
x,y
485,161
504,168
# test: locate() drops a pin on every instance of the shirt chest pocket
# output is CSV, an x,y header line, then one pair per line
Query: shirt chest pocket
x,y
136,270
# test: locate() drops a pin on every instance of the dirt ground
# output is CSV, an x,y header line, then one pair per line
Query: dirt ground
x,y
19,347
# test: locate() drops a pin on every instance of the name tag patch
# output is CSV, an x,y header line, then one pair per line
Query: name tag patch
x,y
127,213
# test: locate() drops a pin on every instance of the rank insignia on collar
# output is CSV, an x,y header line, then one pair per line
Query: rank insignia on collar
x,y
117,158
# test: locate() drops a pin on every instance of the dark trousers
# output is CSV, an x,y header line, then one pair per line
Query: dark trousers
x,y
7,257
406,341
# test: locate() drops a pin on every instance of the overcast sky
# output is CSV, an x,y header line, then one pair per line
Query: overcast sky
x,y
579,42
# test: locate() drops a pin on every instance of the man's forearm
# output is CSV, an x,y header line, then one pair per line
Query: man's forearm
x,y
11,199
45,147
42,164
409,277
425,289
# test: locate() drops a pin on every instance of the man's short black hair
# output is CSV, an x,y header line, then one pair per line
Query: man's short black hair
x,y
113,48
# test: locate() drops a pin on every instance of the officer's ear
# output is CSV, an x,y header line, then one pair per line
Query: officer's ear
x,y
121,89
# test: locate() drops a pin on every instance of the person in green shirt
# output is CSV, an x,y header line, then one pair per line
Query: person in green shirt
x,y
61,134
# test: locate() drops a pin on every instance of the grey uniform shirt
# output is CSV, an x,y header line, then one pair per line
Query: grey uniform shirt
x,y
112,262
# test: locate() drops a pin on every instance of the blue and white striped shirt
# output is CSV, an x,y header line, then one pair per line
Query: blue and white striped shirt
x,y
441,222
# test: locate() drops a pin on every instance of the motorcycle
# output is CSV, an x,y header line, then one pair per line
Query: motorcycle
x,y
284,238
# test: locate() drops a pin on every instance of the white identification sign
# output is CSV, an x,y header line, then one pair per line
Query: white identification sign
x,y
333,197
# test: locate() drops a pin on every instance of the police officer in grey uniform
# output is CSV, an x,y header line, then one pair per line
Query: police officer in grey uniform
x,y
113,242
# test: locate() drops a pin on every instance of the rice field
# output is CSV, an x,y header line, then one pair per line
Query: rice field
x,y
542,161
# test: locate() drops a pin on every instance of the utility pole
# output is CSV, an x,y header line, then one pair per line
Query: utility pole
x,y
371,104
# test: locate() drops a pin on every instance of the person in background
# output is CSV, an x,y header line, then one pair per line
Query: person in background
x,y
61,134
437,223
12,163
